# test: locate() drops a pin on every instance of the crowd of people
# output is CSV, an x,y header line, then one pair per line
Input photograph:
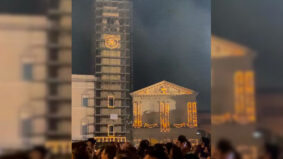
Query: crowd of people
x,y
182,149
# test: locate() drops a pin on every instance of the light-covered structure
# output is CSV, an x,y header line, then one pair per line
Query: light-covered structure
x,y
233,78
163,111
112,50
233,96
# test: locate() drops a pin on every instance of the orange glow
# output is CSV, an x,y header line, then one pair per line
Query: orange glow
x,y
192,114
58,146
111,41
220,119
137,115
248,151
221,48
163,90
244,97
146,125
195,123
181,125
110,139
164,117
190,117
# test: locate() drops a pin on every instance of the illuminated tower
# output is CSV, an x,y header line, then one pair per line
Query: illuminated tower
x,y
112,52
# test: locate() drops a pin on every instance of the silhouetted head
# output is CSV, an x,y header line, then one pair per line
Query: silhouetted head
x,y
38,152
108,152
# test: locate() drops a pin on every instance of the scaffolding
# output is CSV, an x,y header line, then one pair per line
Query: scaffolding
x,y
112,50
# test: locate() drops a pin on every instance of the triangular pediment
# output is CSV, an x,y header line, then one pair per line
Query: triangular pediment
x,y
163,88
221,48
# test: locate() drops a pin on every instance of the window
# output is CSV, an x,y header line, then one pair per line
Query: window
x,y
53,72
53,55
85,101
84,129
26,127
53,108
52,125
110,101
110,130
27,71
53,89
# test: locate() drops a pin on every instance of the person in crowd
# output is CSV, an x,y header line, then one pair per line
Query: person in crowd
x,y
38,152
203,149
225,150
80,151
108,152
271,151
123,155
181,150
130,153
191,156
143,147
184,145
181,141
175,152
156,152
125,145
90,147
168,147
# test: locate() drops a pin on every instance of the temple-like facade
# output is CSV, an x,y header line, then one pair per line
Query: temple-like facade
x,y
233,96
163,111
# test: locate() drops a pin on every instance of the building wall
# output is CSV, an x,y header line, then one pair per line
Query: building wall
x,y
163,111
150,114
82,87
22,35
150,108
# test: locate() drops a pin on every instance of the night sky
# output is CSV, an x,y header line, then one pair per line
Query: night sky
x,y
171,38
171,42
23,6
257,24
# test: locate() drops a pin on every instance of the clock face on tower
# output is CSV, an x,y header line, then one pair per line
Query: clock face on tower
x,y
111,42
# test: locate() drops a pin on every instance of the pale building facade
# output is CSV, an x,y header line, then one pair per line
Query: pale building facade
x,y
36,66
20,38
82,106
163,111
